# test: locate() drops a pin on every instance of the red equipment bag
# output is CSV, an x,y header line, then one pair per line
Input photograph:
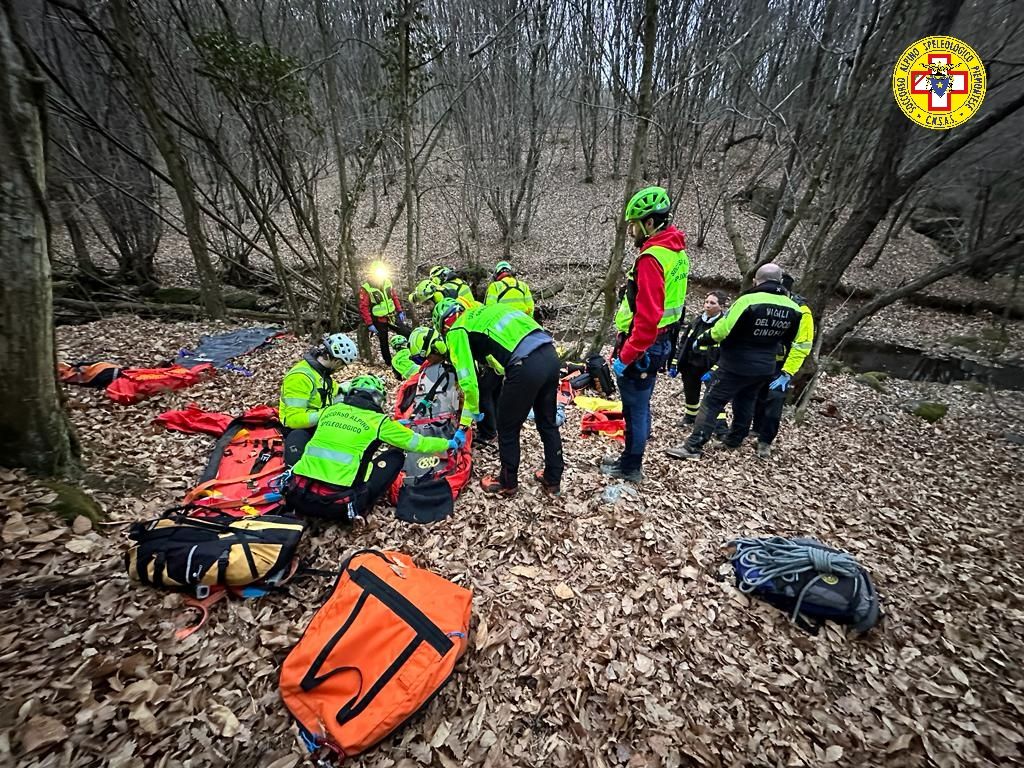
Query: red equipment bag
x,y
244,472
194,420
607,423
426,488
136,384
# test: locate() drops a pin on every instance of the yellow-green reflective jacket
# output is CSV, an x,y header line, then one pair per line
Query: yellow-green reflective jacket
x,y
306,390
346,438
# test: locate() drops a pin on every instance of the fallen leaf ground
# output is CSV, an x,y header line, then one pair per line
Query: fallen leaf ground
x,y
605,635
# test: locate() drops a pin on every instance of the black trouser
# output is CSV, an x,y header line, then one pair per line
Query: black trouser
x,y
768,413
333,504
726,387
691,375
673,346
490,385
530,383
295,441
383,326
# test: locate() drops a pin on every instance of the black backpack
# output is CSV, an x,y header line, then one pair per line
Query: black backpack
x,y
601,377
811,582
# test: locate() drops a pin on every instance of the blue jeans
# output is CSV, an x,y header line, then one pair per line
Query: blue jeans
x,y
636,387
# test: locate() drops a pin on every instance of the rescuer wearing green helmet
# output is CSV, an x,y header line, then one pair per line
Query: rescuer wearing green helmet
x,y
507,289
512,342
651,306
339,477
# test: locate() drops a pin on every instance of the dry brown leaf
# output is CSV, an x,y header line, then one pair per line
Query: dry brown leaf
x,y
563,591
42,731
833,754
526,571
80,546
223,721
14,529
81,524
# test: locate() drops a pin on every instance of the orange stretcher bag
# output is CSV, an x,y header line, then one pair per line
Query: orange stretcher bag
x,y
378,650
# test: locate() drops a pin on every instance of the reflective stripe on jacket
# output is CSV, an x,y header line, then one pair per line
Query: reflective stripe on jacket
x,y
346,435
306,390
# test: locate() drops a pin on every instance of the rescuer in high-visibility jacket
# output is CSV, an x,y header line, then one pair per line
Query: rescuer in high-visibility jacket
x,y
448,278
427,346
340,475
513,345
760,322
381,309
651,309
401,358
770,402
509,290
308,388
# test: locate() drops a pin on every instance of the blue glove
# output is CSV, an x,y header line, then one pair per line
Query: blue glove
x,y
458,440
781,382
401,318
619,367
672,371
372,329
405,422
477,417
643,363
706,377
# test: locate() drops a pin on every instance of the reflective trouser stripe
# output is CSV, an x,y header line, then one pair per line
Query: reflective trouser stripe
x,y
692,409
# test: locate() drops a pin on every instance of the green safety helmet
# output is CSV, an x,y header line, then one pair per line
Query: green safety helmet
x,y
369,385
436,272
424,291
649,201
446,312
424,341
502,266
398,341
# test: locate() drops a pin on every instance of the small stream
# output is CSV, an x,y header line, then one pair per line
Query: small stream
x,y
902,362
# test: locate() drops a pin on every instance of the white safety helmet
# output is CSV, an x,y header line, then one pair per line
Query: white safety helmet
x,y
341,347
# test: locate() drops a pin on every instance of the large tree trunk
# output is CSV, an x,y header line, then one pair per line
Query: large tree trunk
x,y
611,279
34,431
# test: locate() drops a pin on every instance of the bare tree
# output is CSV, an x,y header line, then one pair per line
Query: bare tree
x,y
34,430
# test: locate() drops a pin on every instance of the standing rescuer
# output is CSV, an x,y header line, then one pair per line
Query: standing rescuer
x,y
380,308
652,303
308,388
509,290
510,341
341,475
696,360
772,396
748,337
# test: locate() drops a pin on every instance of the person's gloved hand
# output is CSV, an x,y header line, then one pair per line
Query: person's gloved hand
x,y
781,382
706,377
672,371
405,422
619,367
401,318
477,418
458,440
643,363
372,329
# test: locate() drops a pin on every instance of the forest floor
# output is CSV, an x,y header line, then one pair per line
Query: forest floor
x,y
655,659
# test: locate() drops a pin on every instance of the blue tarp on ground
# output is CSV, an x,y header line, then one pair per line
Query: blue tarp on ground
x,y
222,347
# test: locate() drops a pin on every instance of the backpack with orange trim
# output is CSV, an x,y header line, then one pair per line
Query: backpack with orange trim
x,y
375,653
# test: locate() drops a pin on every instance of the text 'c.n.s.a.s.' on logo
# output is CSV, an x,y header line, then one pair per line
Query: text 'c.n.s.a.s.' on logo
x,y
939,82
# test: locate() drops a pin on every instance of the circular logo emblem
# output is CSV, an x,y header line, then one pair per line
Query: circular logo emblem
x,y
829,579
939,82
427,462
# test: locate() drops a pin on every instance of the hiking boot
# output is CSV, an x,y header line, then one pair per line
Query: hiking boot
x,y
493,487
682,452
730,445
485,444
764,450
686,421
609,461
553,489
615,470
